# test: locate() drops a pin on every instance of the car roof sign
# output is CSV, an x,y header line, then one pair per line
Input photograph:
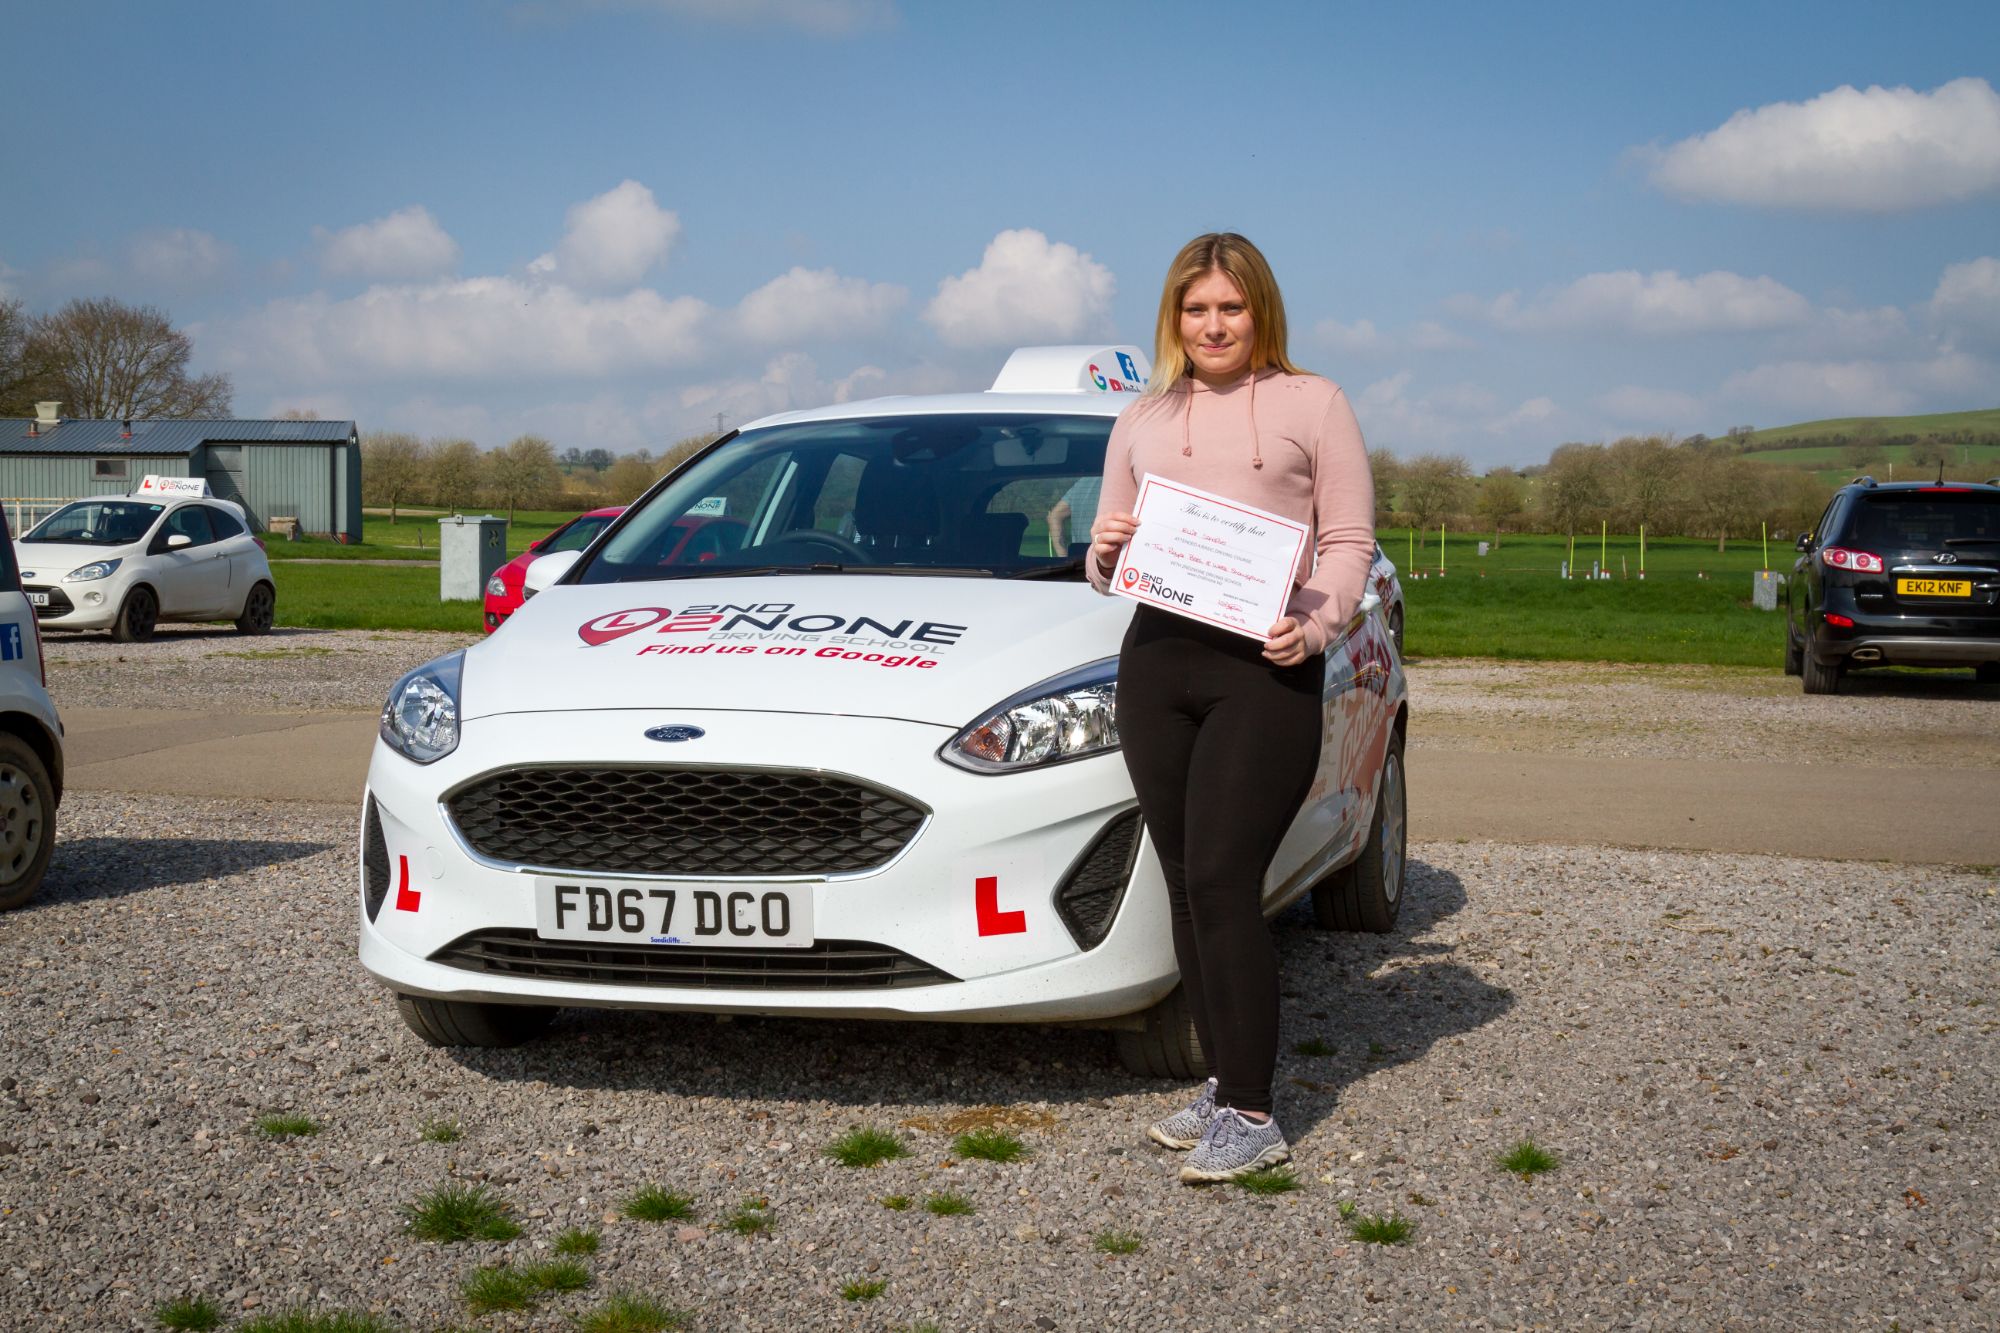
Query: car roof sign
x,y
1075,368
176,486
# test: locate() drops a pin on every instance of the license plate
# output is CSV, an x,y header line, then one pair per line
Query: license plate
x,y
641,912
38,599
1934,587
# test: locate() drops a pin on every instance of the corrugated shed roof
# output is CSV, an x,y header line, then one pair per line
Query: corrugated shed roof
x,y
164,437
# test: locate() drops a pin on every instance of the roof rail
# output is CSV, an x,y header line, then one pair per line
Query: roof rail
x,y
1862,481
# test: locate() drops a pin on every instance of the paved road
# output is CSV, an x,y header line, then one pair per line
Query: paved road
x,y
1904,814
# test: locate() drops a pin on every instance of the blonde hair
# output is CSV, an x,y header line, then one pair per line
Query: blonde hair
x,y
1245,265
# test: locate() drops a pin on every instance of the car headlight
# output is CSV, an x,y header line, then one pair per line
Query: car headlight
x,y
496,586
1071,716
97,569
420,721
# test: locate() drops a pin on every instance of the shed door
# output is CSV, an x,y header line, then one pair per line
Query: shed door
x,y
225,479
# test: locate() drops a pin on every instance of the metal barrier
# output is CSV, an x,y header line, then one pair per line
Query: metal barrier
x,y
23,513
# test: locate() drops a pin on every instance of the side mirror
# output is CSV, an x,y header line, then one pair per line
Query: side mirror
x,y
1370,604
536,544
178,540
1805,541
545,570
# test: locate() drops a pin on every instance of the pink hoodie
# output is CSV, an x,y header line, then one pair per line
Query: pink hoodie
x,y
1286,443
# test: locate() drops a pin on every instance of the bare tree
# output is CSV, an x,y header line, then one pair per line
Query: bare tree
x,y
298,414
524,470
392,469
22,382
1434,489
1573,486
628,477
1645,481
1502,497
111,361
1386,470
456,472
1930,456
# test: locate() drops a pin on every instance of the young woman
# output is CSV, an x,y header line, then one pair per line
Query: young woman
x,y
1221,734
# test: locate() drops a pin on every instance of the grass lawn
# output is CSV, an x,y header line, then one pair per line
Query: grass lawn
x,y
368,597
411,537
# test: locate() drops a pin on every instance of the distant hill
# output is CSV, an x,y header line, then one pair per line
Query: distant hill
x,y
1981,426
1889,448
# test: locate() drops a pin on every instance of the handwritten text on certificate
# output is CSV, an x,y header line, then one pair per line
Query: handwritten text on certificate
x,y
1210,558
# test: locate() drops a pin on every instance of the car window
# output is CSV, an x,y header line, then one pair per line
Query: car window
x,y
1931,519
191,521
948,492
574,537
223,522
97,523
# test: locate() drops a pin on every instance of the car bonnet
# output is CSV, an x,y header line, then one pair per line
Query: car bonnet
x,y
926,649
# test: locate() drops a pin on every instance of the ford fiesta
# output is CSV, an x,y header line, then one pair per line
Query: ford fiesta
x,y
861,763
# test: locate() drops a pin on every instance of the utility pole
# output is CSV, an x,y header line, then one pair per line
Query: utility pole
x,y
718,423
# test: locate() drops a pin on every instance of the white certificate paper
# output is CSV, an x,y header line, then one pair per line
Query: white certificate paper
x,y
1210,558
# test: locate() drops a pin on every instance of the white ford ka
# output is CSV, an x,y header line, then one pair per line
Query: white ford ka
x,y
854,754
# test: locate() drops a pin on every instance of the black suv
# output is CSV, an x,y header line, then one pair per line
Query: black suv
x,y
1897,574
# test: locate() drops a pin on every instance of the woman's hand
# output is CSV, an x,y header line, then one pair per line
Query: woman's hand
x,y
1287,644
1107,533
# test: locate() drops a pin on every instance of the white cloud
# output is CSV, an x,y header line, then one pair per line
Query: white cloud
x,y
817,303
1877,150
1660,409
1463,418
1026,290
474,328
1362,338
612,241
1861,387
1651,304
180,257
406,245
1967,298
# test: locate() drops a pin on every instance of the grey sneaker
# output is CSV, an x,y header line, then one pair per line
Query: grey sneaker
x,y
1234,1146
1183,1129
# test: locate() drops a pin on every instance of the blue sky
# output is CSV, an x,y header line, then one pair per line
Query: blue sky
x,y
1500,227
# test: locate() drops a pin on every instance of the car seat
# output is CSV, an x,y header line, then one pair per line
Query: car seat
x,y
993,539
895,509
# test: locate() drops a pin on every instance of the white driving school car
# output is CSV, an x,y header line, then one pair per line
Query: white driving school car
x,y
169,551
863,762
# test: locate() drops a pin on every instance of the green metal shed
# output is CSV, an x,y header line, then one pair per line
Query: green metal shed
x,y
304,470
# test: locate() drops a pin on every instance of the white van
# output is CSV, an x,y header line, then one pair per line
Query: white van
x,y
31,748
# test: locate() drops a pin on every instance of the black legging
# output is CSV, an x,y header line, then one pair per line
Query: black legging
x,y
1222,747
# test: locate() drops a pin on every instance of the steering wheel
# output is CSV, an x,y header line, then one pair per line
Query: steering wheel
x,y
833,541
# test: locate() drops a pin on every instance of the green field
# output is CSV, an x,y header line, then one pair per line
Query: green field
x,y
411,537
1983,421
368,597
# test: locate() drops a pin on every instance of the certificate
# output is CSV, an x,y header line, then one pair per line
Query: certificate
x,y
1209,558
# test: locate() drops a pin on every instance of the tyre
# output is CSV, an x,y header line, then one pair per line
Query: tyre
x,y
1987,673
1795,658
1368,893
137,618
1818,679
27,821
258,609
473,1023
1167,1046
1396,628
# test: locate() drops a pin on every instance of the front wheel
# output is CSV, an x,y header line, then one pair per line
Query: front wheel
x,y
1166,1047
137,618
27,821
1367,893
473,1023
258,610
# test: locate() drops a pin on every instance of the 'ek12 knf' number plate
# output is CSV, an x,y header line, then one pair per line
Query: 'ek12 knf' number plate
x,y
642,912
1934,587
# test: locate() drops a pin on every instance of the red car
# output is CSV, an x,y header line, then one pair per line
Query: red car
x,y
503,590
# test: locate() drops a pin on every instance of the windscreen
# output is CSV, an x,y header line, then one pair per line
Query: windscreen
x,y
1005,495
574,537
97,523
1936,520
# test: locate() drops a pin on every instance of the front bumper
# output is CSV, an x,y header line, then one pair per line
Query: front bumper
x,y
92,605
1024,830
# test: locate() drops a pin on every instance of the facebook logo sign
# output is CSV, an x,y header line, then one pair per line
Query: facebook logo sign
x,y
10,642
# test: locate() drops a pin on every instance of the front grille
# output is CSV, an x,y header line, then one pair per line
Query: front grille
x,y
696,822
1089,896
374,862
59,602
826,965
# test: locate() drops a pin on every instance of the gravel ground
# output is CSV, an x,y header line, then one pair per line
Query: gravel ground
x,y
1770,1083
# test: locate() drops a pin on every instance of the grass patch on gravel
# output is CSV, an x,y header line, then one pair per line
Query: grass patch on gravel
x,y
863,1289
989,1145
1527,1159
191,1312
654,1204
896,1203
628,1313
866,1147
1312,1048
752,1217
948,1204
440,1131
505,1287
1118,1242
1279,1179
308,1321
287,1126
452,1213
577,1241
1375,1229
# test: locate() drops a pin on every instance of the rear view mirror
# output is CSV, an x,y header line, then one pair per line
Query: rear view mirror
x,y
1805,541
178,540
545,570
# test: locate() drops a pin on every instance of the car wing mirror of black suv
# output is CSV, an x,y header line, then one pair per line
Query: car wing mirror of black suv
x,y
1805,541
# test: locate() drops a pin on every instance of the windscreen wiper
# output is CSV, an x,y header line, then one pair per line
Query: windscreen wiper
x,y
1050,571
733,571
